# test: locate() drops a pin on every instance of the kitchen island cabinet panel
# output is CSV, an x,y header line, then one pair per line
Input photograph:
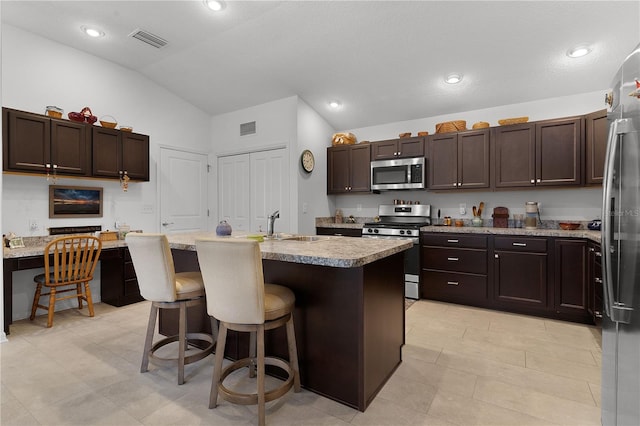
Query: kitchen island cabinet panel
x,y
343,232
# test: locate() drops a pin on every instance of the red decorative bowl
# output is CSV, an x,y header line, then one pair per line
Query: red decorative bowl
x,y
569,226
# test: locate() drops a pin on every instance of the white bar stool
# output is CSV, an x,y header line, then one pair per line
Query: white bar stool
x,y
232,271
166,289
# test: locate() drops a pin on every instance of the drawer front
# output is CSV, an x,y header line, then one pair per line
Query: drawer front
x,y
129,271
538,245
454,287
459,260
131,287
454,240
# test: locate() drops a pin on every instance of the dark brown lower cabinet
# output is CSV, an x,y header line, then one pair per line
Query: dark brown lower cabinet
x,y
520,268
545,276
571,276
344,232
118,282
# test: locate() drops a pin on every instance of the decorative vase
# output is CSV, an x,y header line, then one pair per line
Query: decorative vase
x,y
223,229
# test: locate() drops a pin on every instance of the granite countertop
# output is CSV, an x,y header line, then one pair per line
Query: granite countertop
x,y
334,251
578,233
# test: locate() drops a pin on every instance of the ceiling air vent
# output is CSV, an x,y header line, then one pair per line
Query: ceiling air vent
x,y
248,128
150,39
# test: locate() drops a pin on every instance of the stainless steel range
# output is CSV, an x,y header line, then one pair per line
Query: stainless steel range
x,y
403,221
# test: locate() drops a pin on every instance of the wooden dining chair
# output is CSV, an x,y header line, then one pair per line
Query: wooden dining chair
x,y
69,263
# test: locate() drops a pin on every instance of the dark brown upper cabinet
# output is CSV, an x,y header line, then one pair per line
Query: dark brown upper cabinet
x,y
116,153
596,146
39,144
459,160
398,148
544,153
348,169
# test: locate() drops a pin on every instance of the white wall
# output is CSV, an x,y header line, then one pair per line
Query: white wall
x,y
314,134
37,72
275,128
556,204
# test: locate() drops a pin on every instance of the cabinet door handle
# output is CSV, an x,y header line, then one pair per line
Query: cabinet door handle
x,y
452,282
598,280
452,259
459,184
533,181
167,223
598,254
496,256
597,314
520,244
452,241
538,181
455,184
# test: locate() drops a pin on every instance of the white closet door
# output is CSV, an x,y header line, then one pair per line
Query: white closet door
x,y
270,189
234,187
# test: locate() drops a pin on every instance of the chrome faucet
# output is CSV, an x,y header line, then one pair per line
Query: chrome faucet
x,y
270,222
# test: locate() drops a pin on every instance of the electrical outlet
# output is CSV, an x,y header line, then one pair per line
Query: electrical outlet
x,y
305,208
463,208
33,225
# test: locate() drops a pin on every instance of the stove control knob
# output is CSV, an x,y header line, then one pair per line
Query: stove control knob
x,y
375,231
369,230
402,232
408,232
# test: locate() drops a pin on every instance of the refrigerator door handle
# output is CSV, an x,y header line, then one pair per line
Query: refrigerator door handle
x,y
615,310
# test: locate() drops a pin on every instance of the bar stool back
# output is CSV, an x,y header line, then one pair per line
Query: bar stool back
x,y
166,289
232,271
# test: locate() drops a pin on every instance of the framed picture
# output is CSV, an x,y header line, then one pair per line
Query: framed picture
x,y
74,201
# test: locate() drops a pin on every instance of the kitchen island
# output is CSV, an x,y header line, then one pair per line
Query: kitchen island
x,y
349,315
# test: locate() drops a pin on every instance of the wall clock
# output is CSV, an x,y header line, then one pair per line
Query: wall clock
x,y
307,160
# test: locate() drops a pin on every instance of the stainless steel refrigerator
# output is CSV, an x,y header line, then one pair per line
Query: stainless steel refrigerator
x,y
621,250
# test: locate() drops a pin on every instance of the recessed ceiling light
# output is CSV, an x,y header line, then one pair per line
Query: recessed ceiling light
x,y
335,104
92,32
215,5
453,78
579,51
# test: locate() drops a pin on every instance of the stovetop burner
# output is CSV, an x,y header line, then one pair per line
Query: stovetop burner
x,y
402,220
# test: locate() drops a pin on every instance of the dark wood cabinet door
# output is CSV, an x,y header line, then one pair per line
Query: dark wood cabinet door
x,y
520,279
570,276
559,152
360,168
514,156
443,161
384,150
411,147
26,141
70,147
473,159
596,129
135,155
107,152
338,169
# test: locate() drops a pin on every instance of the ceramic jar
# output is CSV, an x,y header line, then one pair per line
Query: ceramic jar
x,y
223,229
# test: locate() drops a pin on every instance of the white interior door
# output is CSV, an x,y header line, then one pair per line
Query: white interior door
x,y
183,191
270,189
234,191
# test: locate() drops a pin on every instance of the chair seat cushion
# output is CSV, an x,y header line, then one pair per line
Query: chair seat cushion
x,y
189,285
278,301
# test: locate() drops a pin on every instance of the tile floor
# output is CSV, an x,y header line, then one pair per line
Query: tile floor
x,y
461,366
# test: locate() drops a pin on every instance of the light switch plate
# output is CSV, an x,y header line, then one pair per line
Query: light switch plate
x,y
463,208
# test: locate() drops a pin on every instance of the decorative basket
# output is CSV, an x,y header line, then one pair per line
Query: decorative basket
x,y
514,120
126,128
108,236
480,125
54,111
451,126
343,139
405,135
108,121
423,133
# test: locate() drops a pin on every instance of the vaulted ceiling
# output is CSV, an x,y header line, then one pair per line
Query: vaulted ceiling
x,y
385,61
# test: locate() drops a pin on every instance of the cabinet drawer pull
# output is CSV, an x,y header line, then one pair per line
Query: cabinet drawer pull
x,y
520,244
452,241
452,259
597,314
452,282
598,254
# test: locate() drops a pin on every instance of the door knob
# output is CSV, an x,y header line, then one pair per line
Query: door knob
x,y
167,223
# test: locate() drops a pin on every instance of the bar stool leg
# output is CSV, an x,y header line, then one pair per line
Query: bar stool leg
x,y
217,367
261,368
182,341
293,353
151,328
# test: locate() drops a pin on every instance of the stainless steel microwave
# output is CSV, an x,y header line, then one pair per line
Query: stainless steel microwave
x,y
402,173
